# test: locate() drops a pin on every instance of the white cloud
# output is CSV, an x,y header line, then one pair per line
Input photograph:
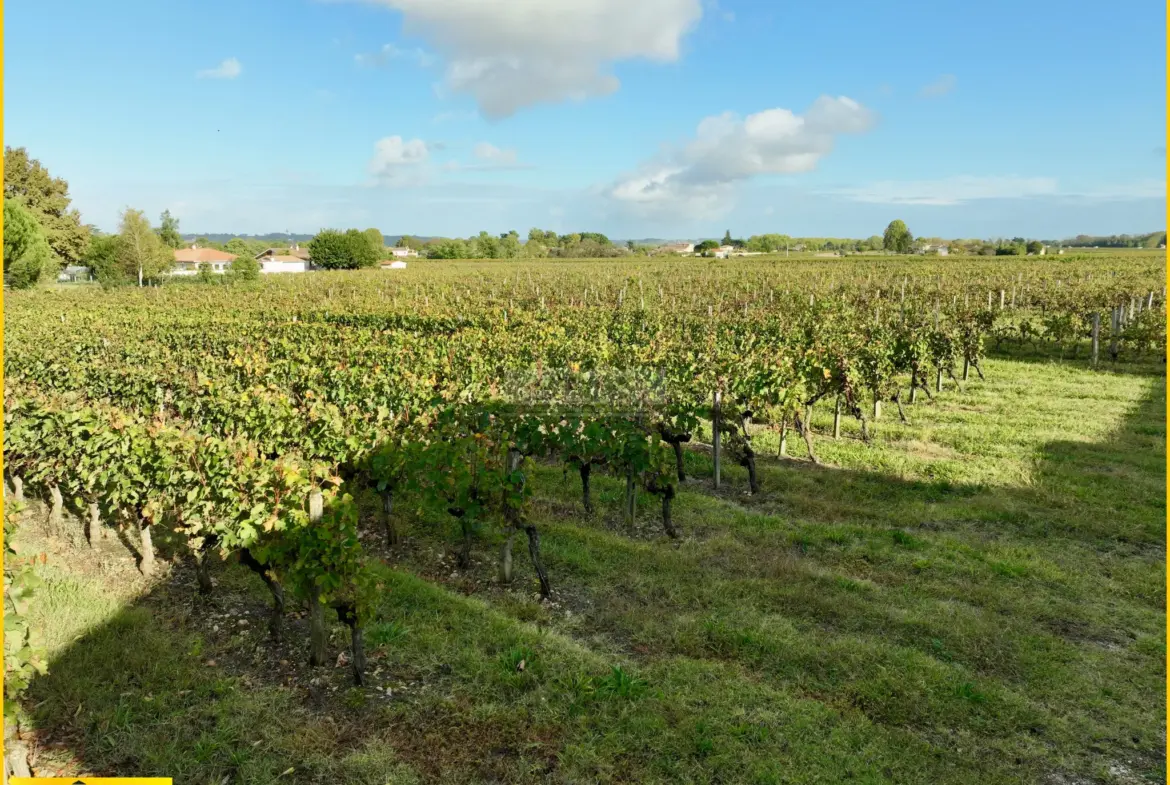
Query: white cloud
x,y
963,189
390,52
699,178
509,55
399,162
486,151
228,69
939,87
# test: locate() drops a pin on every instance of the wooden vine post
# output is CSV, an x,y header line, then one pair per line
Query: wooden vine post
x,y
1096,337
318,637
837,419
715,417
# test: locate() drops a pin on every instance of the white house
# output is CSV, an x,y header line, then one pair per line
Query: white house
x,y
403,253
940,249
187,260
282,264
683,248
73,274
397,264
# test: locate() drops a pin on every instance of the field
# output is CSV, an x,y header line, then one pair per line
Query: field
x,y
974,594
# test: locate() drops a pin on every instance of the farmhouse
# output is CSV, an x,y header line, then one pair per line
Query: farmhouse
x,y
282,264
397,264
676,248
403,253
73,274
296,251
940,249
187,260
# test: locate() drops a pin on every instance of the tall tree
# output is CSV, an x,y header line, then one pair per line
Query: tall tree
x,y
102,258
47,199
727,237
141,253
377,242
897,238
168,230
27,256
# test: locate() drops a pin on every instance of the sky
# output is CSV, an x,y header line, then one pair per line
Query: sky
x,y
637,118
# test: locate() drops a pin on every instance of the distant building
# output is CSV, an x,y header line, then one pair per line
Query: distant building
x,y
187,260
397,264
295,251
74,274
282,264
682,248
403,253
939,249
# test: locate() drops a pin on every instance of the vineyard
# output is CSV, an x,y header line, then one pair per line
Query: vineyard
x,y
607,485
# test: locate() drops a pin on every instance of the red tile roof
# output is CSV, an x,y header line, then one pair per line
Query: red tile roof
x,y
202,255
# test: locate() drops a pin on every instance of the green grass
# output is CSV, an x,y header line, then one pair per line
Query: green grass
x,y
976,597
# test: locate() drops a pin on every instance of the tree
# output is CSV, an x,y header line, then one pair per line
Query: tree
x,y
485,246
897,238
168,230
27,255
1035,247
706,245
336,250
140,252
47,199
238,247
244,267
377,242
102,259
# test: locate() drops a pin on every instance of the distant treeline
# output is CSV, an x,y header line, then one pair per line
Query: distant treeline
x,y
1151,240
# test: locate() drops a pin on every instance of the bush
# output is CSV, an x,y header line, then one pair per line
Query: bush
x,y
245,268
335,250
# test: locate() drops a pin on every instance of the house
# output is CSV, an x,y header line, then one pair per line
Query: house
x,y
397,264
676,248
187,260
74,274
296,251
282,264
940,249
403,253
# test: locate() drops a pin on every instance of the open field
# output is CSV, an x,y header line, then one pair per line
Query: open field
x,y
976,595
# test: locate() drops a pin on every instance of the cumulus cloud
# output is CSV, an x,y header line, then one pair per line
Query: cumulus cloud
x,y
488,157
699,178
509,55
228,69
939,87
399,162
390,52
951,191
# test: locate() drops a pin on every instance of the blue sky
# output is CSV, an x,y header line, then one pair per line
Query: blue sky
x,y
654,118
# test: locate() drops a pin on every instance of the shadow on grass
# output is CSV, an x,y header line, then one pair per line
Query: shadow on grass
x,y
940,632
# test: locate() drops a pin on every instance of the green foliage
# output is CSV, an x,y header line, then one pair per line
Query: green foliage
x,y
897,238
27,256
142,256
23,658
1035,247
377,242
47,198
245,268
706,245
332,249
168,230
103,259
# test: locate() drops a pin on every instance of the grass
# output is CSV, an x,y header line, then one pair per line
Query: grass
x,y
976,597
